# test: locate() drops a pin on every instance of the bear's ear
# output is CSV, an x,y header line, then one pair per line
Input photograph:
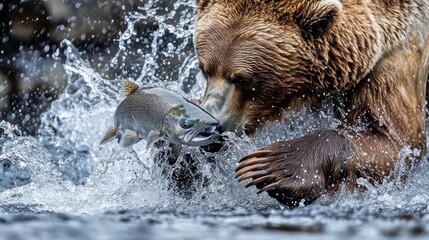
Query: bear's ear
x,y
202,4
316,16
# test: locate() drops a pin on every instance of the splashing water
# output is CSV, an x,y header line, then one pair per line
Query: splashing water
x,y
64,169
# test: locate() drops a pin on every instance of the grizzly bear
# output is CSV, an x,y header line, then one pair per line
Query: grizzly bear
x,y
265,58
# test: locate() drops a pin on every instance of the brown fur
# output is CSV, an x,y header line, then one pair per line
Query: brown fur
x,y
263,58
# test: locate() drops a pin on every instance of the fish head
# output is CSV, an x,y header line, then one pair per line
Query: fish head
x,y
190,125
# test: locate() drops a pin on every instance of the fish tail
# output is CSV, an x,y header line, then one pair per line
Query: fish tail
x,y
109,135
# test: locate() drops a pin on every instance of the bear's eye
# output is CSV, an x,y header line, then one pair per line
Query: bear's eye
x,y
240,79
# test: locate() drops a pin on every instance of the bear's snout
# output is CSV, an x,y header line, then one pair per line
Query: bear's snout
x,y
222,101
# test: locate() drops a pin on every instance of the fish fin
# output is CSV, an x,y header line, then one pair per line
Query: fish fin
x,y
129,138
152,138
109,135
128,87
176,149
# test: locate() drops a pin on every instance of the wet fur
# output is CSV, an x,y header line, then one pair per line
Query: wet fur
x,y
278,56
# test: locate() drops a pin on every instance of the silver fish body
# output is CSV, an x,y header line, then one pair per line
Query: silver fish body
x,y
157,113
145,110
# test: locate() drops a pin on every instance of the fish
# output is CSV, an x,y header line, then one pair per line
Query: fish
x,y
157,113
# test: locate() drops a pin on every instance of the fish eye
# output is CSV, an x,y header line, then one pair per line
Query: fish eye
x,y
186,123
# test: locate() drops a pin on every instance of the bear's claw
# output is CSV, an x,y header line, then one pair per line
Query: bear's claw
x,y
250,162
251,174
261,180
250,168
272,186
260,153
254,166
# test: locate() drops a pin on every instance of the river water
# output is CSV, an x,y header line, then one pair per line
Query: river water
x,y
61,184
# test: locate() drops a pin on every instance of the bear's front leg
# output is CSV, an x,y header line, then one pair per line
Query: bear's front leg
x,y
300,170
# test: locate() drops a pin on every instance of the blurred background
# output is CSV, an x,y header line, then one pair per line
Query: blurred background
x,y
31,32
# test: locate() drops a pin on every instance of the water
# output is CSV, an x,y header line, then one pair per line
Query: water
x,y
63,184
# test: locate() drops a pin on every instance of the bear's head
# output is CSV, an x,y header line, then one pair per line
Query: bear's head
x,y
262,58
